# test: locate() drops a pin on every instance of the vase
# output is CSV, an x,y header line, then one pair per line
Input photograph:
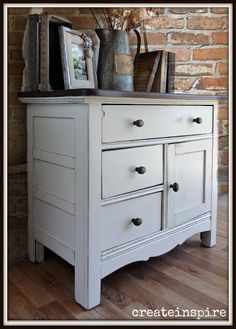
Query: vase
x,y
115,64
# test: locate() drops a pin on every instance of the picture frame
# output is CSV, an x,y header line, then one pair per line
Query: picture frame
x,y
77,58
51,75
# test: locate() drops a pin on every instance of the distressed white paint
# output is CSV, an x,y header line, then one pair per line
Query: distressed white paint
x,y
81,193
189,166
119,174
159,121
116,221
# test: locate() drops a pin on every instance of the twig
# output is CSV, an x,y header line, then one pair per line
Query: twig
x,y
95,19
109,19
108,23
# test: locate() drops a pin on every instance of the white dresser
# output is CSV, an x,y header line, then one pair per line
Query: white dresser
x,y
115,178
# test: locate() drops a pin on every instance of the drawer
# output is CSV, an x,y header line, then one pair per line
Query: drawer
x,y
117,226
159,121
122,169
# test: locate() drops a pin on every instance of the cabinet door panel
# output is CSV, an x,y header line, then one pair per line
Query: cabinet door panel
x,y
189,165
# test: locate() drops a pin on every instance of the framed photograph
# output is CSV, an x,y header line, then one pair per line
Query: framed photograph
x,y
77,59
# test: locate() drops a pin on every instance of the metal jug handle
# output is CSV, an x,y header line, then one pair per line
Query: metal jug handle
x,y
137,56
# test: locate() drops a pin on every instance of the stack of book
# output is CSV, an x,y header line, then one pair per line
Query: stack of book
x,y
153,71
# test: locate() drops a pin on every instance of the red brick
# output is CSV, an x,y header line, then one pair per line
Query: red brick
x,y
193,69
16,114
21,143
223,142
19,22
223,127
83,22
224,158
156,38
210,54
212,83
207,23
181,54
20,114
15,38
17,129
223,113
10,21
17,222
13,99
15,84
220,38
165,22
223,188
184,38
17,169
185,10
200,10
15,53
96,11
17,184
62,11
153,38
12,143
21,206
183,83
18,11
16,68
219,10
180,10
14,158
222,68
223,173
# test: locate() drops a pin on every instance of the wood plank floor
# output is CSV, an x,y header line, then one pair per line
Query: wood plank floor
x,y
188,277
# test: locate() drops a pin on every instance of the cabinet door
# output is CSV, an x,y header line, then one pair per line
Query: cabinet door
x,y
190,166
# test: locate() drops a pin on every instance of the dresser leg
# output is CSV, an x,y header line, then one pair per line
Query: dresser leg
x,y
87,290
39,252
35,251
209,238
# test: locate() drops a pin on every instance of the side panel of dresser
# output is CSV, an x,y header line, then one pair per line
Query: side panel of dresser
x,y
51,180
64,189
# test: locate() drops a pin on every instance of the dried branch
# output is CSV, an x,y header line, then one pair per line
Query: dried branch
x,y
95,18
127,19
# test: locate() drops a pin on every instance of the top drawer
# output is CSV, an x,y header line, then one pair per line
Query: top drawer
x,y
158,121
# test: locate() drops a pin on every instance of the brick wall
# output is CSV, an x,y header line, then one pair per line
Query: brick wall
x,y
199,38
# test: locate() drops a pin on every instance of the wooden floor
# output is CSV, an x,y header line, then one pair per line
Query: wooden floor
x,y
188,277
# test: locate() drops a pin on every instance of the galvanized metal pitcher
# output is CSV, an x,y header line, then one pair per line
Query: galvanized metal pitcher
x,y
115,64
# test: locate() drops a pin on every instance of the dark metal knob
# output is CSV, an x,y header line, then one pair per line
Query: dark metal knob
x,y
198,120
141,170
138,123
175,187
137,221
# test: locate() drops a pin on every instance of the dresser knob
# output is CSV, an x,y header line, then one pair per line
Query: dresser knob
x,y
198,120
137,221
140,170
175,187
138,123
